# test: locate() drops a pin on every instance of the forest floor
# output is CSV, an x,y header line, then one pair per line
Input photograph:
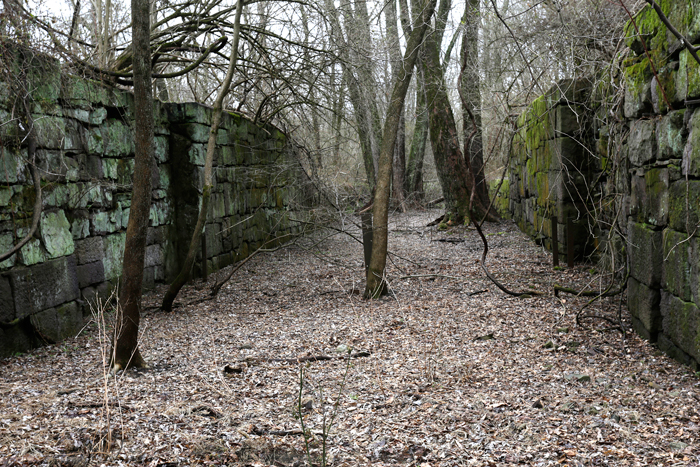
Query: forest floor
x,y
445,371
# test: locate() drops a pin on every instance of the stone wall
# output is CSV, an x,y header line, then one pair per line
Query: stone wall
x,y
644,163
85,157
550,167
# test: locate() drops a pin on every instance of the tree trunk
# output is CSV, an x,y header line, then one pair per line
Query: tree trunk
x,y
376,285
399,170
470,94
184,274
360,103
126,352
451,166
414,165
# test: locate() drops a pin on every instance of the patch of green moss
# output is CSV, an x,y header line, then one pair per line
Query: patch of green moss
x,y
637,75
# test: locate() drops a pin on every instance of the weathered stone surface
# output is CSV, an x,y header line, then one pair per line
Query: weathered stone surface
x,y
12,163
675,276
149,280
670,135
637,89
55,234
89,250
681,323
641,142
688,77
691,152
7,242
643,303
667,346
684,209
657,202
113,253
45,285
7,304
117,138
189,112
16,339
56,324
32,252
154,256
645,253
90,273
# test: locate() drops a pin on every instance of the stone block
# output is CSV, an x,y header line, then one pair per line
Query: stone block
x,y
667,346
89,250
56,324
7,241
117,138
637,89
16,339
657,204
12,163
691,152
154,256
571,153
188,112
670,135
214,240
113,255
95,297
46,325
44,285
32,252
681,324
645,253
70,320
641,142
50,131
149,281
675,275
688,77
90,273
161,148
7,304
93,141
55,234
684,205
643,304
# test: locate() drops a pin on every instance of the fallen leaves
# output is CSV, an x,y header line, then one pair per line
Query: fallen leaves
x,y
445,375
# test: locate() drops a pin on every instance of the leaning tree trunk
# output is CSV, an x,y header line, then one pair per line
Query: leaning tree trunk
x,y
125,350
184,274
376,285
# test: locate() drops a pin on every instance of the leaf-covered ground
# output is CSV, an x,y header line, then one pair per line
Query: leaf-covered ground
x,y
458,373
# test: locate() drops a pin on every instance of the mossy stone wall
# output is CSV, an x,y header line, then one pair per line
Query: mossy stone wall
x,y
85,154
550,167
653,140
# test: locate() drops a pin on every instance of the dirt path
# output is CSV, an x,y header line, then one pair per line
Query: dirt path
x,y
458,372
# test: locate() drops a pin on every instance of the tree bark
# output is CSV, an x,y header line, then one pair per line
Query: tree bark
x,y
358,99
125,350
376,285
184,274
470,94
414,164
452,169
399,172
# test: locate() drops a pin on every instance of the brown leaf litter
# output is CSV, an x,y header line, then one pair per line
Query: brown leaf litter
x,y
448,376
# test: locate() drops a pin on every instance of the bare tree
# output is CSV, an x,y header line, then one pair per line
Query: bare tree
x,y
376,284
184,274
126,352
